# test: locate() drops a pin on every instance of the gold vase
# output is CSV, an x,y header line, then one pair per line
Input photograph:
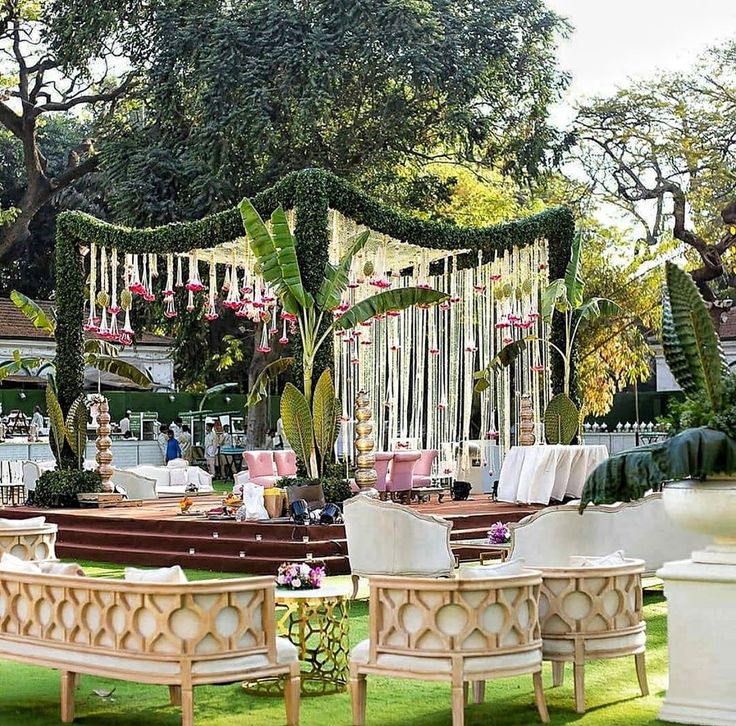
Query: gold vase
x,y
365,473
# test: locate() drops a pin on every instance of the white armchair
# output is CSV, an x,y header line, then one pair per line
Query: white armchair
x,y
389,539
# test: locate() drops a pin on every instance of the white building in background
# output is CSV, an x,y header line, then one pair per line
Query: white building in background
x,y
727,331
152,353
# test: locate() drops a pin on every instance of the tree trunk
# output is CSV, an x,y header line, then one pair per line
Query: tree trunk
x,y
257,416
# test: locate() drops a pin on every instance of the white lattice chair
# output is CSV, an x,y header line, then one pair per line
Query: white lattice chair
x,y
28,539
464,630
389,539
180,635
588,613
642,529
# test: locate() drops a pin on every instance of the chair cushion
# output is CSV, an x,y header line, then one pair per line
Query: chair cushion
x,y
29,523
61,568
286,652
527,661
596,647
264,481
419,480
177,464
173,575
610,560
504,569
11,563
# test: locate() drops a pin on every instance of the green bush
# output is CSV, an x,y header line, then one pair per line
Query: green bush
x,y
59,488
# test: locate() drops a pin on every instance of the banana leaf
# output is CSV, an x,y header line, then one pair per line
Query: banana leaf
x,y
325,415
504,358
267,255
554,297
259,388
690,334
574,284
297,421
693,454
119,367
18,364
398,299
214,391
336,278
75,428
32,310
598,307
283,241
56,419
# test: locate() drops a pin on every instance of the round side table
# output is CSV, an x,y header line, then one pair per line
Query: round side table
x,y
317,623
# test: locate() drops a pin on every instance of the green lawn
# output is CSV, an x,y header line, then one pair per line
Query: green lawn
x,y
29,696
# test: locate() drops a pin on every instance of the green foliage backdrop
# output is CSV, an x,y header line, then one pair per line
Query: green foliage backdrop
x,y
310,192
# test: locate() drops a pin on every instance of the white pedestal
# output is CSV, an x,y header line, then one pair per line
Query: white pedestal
x,y
701,633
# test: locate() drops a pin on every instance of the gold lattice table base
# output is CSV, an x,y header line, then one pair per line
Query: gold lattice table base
x,y
317,623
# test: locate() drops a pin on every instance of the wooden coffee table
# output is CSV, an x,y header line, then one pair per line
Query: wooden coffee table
x,y
487,550
440,490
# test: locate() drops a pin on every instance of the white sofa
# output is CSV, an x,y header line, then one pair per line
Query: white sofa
x,y
173,481
641,529
136,485
389,539
176,634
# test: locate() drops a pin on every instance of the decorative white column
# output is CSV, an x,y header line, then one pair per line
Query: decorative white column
x,y
701,635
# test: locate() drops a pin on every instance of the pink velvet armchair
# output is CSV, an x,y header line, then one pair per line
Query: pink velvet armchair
x,y
401,476
261,469
423,468
383,460
285,462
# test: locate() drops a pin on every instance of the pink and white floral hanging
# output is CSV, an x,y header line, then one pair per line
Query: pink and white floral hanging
x,y
194,283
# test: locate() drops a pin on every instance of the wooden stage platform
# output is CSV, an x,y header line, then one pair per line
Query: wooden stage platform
x,y
154,534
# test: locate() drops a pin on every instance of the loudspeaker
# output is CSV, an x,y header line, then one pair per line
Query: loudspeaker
x,y
461,490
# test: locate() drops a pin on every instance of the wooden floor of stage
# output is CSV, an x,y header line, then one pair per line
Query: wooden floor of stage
x,y
155,534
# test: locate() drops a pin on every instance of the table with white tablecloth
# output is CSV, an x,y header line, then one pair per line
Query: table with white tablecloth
x,y
538,474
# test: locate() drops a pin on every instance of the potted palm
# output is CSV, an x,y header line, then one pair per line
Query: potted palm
x,y
695,468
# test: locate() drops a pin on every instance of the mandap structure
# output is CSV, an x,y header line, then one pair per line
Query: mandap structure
x,y
417,365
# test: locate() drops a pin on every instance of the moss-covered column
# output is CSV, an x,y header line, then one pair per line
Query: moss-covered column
x,y
311,204
70,315
559,238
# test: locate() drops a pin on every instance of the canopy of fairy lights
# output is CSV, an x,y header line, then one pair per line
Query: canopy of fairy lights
x,y
417,366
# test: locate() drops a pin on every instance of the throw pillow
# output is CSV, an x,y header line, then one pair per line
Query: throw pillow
x,y
610,560
504,569
11,563
172,575
22,523
71,569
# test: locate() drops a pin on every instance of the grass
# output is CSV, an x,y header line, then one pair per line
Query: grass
x,y
30,695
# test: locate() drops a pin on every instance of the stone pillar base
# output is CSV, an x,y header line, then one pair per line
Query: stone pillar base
x,y
701,636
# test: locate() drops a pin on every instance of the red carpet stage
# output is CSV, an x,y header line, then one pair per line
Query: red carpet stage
x,y
155,535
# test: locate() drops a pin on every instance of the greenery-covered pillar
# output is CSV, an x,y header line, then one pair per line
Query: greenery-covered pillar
x,y
69,315
559,239
311,204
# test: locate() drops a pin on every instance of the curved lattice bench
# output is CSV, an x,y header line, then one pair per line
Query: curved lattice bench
x,y
28,539
587,613
180,635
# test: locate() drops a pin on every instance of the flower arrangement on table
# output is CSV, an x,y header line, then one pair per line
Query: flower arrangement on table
x,y
299,576
499,533
185,504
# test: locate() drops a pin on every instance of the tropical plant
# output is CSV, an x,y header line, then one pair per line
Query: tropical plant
x,y
275,253
565,296
695,357
98,354
59,488
312,434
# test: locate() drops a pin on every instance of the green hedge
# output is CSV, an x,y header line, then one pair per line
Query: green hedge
x,y
310,193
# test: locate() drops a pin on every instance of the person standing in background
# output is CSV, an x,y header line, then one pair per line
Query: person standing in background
x,y
226,442
211,448
163,439
37,419
176,427
185,441
173,450
124,424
